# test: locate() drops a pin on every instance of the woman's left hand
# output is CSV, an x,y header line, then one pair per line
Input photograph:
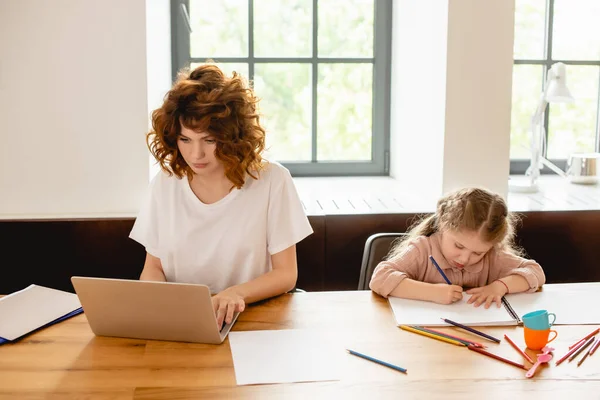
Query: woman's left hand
x,y
488,294
226,304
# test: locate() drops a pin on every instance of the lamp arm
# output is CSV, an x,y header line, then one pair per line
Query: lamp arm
x,y
553,167
542,104
537,132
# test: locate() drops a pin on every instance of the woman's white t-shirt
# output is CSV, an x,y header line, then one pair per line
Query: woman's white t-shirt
x,y
224,243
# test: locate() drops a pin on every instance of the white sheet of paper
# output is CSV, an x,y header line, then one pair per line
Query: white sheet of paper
x,y
283,356
573,303
426,313
26,310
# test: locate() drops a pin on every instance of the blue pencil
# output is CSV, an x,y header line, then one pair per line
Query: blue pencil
x,y
366,357
475,331
440,270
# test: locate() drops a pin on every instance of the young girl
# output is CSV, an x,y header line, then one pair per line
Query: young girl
x,y
471,238
218,213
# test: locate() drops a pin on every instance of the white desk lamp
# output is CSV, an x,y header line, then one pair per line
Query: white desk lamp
x,y
555,91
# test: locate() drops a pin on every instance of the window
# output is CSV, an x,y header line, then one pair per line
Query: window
x,y
320,67
546,32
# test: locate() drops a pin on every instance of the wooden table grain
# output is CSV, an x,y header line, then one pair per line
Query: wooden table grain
x,y
67,361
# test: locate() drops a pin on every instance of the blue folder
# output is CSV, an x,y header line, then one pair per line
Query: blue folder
x,y
66,316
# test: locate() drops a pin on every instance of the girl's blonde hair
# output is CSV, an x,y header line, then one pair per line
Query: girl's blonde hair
x,y
469,209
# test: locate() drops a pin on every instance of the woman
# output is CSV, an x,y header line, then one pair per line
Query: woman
x,y
218,213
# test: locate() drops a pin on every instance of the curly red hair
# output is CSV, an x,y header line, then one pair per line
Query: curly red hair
x,y
205,100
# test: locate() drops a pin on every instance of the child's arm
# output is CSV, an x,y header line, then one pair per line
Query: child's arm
x,y
441,293
508,273
403,275
520,274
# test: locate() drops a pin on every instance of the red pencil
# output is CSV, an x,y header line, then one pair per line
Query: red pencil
x,y
573,350
497,357
577,344
521,352
585,338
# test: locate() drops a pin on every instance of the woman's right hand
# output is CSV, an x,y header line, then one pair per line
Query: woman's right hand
x,y
226,304
447,294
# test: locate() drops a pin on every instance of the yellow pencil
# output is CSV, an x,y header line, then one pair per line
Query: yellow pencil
x,y
431,335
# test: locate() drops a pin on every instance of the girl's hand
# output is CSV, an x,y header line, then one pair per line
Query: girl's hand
x,y
489,294
446,294
225,304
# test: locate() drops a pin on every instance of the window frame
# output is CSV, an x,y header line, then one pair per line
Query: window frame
x,y
518,166
381,61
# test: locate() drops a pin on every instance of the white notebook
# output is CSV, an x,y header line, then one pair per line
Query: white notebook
x,y
425,313
573,304
33,307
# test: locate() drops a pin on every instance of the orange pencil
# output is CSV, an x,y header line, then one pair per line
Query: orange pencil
x,y
521,352
497,357
585,338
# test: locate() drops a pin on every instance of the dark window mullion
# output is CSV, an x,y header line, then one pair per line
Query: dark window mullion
x,y
180,38
251,41
598,115
315,78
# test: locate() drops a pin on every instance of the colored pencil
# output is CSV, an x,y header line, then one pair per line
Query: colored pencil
x,y
497,357
466,341
440,334
517,348
594,347
475,331
581,341
422,329
585,338
375,360
431,335
440,270
573,350
587,353
586,344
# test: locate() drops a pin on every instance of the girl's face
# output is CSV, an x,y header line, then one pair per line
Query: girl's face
x,y
198,151
463,248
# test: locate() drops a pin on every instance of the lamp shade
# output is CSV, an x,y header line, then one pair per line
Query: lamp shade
x,y
557,90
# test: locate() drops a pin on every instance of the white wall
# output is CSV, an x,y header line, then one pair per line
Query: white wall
x,y
418,94
158,52
73,106
478,94
451,94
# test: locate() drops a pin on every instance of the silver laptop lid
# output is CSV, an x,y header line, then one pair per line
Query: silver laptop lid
x,y
149,310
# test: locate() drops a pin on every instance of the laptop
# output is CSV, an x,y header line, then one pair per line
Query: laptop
x,y
180,312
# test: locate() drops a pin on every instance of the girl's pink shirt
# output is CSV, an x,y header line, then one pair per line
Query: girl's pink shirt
x,y
414,263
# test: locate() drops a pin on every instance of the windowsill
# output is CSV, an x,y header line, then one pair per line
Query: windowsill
x,y
385,195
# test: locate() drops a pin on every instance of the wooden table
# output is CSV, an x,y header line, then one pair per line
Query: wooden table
x,y
66,361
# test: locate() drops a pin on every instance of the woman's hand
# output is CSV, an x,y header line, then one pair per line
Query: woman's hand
x,y
227,303
447,294
488,294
